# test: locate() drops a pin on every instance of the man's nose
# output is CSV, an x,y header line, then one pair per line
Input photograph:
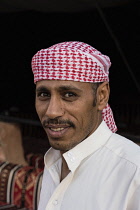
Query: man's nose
x,y
54,108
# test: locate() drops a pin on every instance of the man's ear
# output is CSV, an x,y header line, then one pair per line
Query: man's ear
x,y
103,92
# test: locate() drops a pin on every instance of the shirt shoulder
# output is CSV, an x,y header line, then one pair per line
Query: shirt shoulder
x,y
124,148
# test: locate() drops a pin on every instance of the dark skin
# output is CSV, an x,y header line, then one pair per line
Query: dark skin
x,y
102,92
68,112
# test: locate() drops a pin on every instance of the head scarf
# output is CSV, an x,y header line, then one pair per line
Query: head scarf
x,y
75,61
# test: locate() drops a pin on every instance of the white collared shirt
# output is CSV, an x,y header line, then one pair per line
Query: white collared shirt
x,y
104,175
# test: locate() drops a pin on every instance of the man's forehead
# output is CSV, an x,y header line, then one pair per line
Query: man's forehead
x,y
62,84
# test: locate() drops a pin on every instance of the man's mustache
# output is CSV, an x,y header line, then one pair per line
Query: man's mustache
x,y
57,122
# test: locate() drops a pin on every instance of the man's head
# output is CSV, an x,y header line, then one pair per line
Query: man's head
x,y
69,102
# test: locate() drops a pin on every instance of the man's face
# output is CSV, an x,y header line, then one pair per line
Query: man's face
x,y
66,111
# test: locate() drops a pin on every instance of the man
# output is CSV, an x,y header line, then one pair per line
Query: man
x,y
88,166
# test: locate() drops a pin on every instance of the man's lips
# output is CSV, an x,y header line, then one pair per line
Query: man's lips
x,y
57,128
56,131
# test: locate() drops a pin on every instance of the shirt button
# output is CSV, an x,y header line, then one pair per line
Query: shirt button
x,y
69,154
55,202
72,159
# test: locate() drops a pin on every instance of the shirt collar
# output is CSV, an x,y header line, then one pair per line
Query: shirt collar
x,y
77,154
51,157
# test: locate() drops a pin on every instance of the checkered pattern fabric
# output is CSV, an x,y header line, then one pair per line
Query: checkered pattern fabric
x,y
76,61
107,116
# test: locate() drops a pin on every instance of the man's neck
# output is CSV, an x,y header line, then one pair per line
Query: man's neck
x,y
64,170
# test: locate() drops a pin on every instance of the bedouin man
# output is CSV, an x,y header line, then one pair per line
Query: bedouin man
x,y
89,166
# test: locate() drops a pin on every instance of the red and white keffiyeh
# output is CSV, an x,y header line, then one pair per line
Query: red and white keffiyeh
x,y
76,61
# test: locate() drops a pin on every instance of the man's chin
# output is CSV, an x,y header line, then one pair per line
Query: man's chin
x,y
61,147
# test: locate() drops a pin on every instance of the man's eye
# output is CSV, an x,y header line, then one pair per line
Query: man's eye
x,y
69,94
43,94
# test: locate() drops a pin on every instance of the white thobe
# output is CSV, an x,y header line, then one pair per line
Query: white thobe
x,y
104,175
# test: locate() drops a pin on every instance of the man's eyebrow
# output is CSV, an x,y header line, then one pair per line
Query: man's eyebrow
x,y
59,89
69,87
41,89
